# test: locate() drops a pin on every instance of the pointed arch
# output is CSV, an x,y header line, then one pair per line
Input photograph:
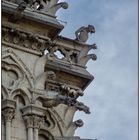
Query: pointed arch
x,y
45,134
10,58
21,93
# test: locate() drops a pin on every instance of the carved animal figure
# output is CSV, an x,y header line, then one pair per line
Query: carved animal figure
x,y
82,33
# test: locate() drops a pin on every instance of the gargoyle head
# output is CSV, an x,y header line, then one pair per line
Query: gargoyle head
x,y
91,28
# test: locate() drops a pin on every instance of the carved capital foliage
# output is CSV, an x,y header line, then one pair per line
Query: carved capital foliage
x,y
38,121
8,114
33,121
28,121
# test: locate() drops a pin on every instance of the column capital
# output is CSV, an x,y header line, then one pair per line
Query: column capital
x,y
28,121
33,116
33,121
38,121
8,114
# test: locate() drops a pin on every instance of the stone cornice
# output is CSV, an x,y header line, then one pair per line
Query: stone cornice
x,y
7,103
33,110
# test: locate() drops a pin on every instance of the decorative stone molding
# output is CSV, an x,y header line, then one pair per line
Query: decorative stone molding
x,y
7,103
23,40
33,110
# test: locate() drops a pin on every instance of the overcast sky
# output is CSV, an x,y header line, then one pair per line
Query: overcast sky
x,y
113,94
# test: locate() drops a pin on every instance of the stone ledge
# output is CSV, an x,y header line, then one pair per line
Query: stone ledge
x,y
39,18
7,103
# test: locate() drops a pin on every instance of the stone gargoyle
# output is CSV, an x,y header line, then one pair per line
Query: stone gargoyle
x,y
59,99
82,33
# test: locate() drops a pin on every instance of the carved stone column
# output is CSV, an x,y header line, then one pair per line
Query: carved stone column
x,y
8,114
29,125
34,118
38,121
33,124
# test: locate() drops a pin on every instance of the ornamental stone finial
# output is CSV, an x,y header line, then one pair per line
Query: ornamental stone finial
x,y
82,33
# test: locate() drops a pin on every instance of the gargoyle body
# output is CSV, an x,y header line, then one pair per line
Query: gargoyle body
x,y
82,33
